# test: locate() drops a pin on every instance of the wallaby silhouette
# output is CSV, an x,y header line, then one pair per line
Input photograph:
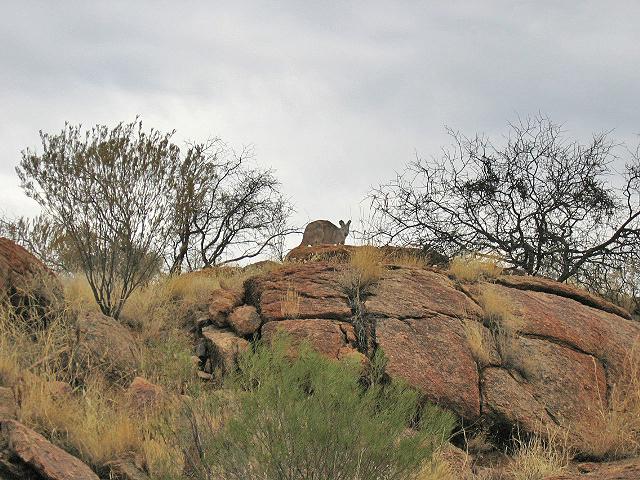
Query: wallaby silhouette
x,y
323,231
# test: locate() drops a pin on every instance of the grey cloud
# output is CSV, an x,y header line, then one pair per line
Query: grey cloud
x,y
334,95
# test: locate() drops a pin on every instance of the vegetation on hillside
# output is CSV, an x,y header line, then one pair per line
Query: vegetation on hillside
x,y
121,204
131,211
546,204
273,416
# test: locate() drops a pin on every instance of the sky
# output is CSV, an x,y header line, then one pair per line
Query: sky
x,y
334,96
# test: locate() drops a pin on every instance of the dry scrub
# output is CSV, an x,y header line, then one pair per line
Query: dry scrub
x,y
471,268
618,422
366,266
504,326
536,459
405,258
363,272
96,422
477,342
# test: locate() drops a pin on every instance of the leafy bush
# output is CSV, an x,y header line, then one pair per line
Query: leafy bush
x,y
312,418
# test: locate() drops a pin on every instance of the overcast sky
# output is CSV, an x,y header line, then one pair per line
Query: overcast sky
x,y
335,96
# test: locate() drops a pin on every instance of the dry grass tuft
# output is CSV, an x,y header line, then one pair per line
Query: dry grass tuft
x,y
290,303
477,342
405,257
9,367
497,311
366,263
617,424
471,268
447,463
365,268
480,443
504,326
162,458
78,294
91,424
536,459
436,470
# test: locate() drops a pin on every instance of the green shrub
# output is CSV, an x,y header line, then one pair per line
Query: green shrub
x,y
313,418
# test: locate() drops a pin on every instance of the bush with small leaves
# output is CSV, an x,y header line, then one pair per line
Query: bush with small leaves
x,y
313,418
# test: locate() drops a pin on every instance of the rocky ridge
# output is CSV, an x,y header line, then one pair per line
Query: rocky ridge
x,y
568,351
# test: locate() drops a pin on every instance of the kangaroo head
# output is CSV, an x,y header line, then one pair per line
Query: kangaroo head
x,y
344,228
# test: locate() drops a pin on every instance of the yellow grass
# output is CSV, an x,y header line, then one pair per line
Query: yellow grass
x,y
477,342
447,463
367,262
96,422
365,268
163,459
471,268
404,258
78,294
436,470
536,459
87,423
503,324
617,423
9,367
497,310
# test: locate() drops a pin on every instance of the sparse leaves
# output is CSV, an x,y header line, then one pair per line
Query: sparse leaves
x,y
110,190
544,203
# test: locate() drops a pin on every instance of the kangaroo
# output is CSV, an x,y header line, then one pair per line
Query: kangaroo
x,y
323,231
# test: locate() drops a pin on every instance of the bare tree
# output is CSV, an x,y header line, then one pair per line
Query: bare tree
x,y
196,176
227,211
617,280
545,203
112,191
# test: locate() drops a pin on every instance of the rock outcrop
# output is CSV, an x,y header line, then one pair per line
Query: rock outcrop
x,y
566,353
104,343
620,470
31,288
143,395
222,347
25,454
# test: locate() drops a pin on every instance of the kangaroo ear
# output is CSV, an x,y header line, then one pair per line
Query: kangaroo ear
x,y
348,223
341,223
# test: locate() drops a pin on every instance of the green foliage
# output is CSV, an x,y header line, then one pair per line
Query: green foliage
x,y
166,361
109,190
313,418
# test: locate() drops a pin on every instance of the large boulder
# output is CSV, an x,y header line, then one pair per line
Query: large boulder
x,y
26,454
245,320
106,346
31,288
222,349
329,337
555,369
311,290
144,395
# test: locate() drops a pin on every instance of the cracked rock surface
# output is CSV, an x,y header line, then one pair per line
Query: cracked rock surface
x,y
570,345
